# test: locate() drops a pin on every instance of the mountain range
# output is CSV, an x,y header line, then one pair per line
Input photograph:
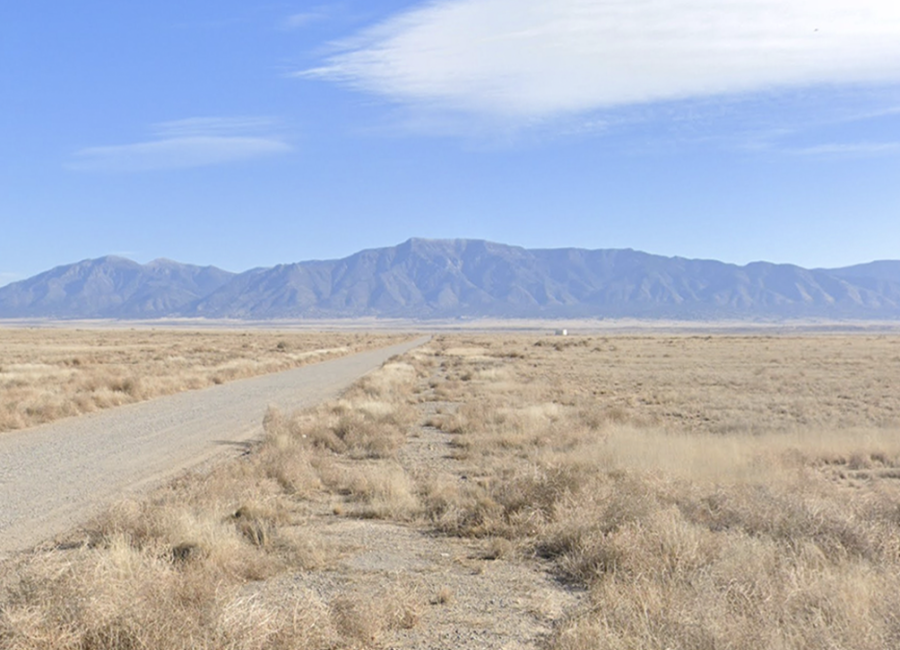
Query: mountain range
x,y
460,278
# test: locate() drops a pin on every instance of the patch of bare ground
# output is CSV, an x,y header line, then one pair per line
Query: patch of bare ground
x,y
579,493
458,592
47,374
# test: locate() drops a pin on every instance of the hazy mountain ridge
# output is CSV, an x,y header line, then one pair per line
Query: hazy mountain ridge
x,y
882,270
111,287
423,278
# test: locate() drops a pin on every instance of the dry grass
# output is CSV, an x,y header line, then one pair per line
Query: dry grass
x,y
705,492
365,618
175,570
714,492
47,374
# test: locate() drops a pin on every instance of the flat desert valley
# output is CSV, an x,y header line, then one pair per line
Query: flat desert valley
x,y
613,490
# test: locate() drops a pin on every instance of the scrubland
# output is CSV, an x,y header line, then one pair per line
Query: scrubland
x,y
708,492
47,374
687,492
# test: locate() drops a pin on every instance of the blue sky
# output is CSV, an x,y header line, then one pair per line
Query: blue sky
x,y
249,134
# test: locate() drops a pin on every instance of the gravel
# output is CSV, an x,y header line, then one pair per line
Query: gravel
x,y
55,476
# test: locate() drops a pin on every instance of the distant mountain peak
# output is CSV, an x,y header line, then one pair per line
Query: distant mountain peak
x,y
110,287
164,261
453,278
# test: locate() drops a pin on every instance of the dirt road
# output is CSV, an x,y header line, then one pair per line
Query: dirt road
x,y
54,476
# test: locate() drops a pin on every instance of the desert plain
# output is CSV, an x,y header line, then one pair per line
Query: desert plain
x,y
487,490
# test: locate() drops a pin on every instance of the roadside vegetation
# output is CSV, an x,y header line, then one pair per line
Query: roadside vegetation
x,y
48,373
189,566
698,492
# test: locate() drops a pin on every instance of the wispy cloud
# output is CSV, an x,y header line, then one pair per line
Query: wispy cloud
x,y
182,144
534,60
829,124
215,126
848,149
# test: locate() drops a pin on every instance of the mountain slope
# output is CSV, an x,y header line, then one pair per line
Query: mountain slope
x,y
884,271
111,287
447,278
423,278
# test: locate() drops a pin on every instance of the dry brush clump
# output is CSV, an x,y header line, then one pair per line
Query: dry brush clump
x,y
709,493
365,618
369,421
190,565
47,374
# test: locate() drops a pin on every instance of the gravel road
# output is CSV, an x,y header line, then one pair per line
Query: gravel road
x,y
55,476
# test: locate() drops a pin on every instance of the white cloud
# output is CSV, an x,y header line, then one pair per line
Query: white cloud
x,y
526,60
182,144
